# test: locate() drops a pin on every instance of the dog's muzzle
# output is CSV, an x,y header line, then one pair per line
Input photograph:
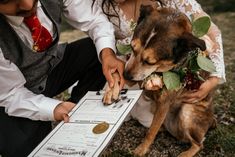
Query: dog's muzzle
x,y
127,76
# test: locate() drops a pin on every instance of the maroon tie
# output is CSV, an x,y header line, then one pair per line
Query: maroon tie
x,y
41,37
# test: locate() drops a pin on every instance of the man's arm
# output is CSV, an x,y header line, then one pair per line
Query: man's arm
x,y
81,15
20,102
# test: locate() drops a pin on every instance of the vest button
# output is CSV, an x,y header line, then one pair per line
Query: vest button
x,y
40,88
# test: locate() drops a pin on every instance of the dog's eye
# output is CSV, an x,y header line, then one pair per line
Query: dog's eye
x,y
148,63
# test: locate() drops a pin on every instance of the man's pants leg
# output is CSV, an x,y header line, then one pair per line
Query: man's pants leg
x,y
19,136
80,63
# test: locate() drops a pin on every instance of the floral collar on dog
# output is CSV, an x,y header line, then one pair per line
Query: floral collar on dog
x,y
191,72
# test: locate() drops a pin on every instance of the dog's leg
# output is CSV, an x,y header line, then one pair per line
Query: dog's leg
x,y
159,117
158,120
191,151
111,94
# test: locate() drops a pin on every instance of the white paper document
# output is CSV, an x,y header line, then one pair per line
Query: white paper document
x,y
76,138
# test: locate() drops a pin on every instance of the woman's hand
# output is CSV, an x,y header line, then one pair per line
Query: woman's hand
x,y
62,110
197,95
111,64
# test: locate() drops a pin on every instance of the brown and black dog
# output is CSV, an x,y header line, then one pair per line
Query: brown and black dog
x,y
162,38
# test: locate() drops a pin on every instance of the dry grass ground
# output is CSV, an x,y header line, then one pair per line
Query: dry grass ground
x,y
219,142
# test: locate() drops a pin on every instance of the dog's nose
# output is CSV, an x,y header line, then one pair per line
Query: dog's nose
x,y
127,75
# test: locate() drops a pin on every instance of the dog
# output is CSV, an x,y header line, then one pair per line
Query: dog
x,y
162,38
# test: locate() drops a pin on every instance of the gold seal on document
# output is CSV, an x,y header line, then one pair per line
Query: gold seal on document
x,y
100,128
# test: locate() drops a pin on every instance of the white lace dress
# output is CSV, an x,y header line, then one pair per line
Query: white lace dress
x,y
193,10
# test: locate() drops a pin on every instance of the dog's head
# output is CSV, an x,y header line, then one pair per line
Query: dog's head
x,y
161,39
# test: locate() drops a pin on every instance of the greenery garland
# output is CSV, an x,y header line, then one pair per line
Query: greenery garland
x,y
197,66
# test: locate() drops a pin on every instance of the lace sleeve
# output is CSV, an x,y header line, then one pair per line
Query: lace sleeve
x,y
213,38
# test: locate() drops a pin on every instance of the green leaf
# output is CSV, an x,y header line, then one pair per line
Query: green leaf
x,y
124,49
171,80
193,66
205,64
182,72
201,26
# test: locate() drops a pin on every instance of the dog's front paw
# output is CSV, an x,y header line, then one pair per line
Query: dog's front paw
x,y
141,150
112,94
107,99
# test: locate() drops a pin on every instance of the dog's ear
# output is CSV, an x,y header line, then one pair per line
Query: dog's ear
x,y
193,42
186,43
145,10
183,22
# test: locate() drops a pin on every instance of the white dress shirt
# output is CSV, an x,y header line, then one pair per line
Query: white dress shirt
x,y
18,100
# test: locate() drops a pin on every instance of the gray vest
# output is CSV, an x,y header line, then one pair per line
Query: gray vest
x,y
35,66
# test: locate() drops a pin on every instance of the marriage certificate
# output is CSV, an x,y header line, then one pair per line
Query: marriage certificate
x,y
91,127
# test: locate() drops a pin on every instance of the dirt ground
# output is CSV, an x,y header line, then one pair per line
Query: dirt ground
x,y
219,142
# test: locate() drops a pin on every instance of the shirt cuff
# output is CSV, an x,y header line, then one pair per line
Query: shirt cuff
x,y
104,42
46,109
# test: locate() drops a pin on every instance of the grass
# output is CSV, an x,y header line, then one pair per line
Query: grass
x,y
221,140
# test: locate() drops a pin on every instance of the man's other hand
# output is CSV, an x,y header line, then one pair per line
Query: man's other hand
x,y
62,110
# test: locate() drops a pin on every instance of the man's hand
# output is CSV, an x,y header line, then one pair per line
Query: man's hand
x,y
205,88
111,64
61,111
